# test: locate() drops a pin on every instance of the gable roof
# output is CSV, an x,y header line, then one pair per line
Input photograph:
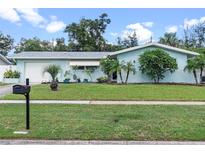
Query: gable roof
x,y
155,45
4,59
59,55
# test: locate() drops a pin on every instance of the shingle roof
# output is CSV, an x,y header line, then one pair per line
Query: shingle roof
x,y
156,45
59,55
5,60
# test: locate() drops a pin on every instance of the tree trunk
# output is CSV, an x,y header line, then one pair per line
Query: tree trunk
x,y
120,73
109,78
195,76
128,72
201,70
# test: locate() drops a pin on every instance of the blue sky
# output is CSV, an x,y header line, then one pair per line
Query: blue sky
x,y
49,23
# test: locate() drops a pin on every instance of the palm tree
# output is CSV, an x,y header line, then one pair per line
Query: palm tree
x,y
89,72
53,70
200,62
192,66
169,39
129,67
117,67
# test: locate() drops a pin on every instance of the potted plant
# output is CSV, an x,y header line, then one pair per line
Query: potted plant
x,y
11,76
53,70
66,75
75,78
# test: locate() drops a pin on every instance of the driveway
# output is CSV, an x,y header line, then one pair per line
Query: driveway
x,y
4,90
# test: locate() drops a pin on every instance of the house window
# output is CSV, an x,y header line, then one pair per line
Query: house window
x,y
80,67
91,67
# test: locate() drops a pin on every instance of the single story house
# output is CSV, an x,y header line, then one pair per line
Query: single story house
x,y
32,64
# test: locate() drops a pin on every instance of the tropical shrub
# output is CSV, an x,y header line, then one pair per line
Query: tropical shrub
x,y
107,66
192,66
102,79
155,63
89,71
11,74
53,70
128,67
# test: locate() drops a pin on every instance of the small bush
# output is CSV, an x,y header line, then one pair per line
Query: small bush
x,y
102,79
11,74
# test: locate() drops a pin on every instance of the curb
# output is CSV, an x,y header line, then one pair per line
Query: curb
x,y
94,142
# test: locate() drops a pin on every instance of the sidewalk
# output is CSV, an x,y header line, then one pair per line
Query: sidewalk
x,y
93,142
105,102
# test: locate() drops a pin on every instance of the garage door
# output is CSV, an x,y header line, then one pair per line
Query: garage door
x,y
34,71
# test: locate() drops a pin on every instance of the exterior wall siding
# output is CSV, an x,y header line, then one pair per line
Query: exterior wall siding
x,y
179,76
64,64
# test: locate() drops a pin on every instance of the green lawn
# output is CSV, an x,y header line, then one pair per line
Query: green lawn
x,y
116,92
105,122
3,84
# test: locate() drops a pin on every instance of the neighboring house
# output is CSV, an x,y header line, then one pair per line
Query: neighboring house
x,y
4,60
5,64
32,64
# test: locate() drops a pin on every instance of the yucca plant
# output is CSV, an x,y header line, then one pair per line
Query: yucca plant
x,y
53,70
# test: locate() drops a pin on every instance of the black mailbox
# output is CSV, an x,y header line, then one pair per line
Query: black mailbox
x,y
21,89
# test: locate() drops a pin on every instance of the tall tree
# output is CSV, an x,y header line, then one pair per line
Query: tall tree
x,y
194,37
87,35
6,43
60,45
34,44
169,39
128,42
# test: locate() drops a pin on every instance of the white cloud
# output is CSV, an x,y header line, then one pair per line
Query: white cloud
x,y
55,26
114,34
53,18
192,22
143,33
171,29
9,14
32,16
148,24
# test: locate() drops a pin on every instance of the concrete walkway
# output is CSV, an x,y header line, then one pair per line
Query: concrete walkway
x,y
93,142
105,102
4,90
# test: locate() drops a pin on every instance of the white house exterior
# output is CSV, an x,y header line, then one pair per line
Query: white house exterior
x,y
32,64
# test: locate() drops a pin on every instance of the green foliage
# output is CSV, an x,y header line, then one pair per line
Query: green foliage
x,y
87,35
34,44
6,43
60,45
89,71
128,42
103,79
117,67
11,74
170,39
128,67
53,70
192,66
107,65
155,63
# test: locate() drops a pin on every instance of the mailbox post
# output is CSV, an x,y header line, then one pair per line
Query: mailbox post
x,y
24,90
27,107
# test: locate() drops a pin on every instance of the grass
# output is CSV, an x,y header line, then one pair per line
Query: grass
x,y
105,122
115,92
3,84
